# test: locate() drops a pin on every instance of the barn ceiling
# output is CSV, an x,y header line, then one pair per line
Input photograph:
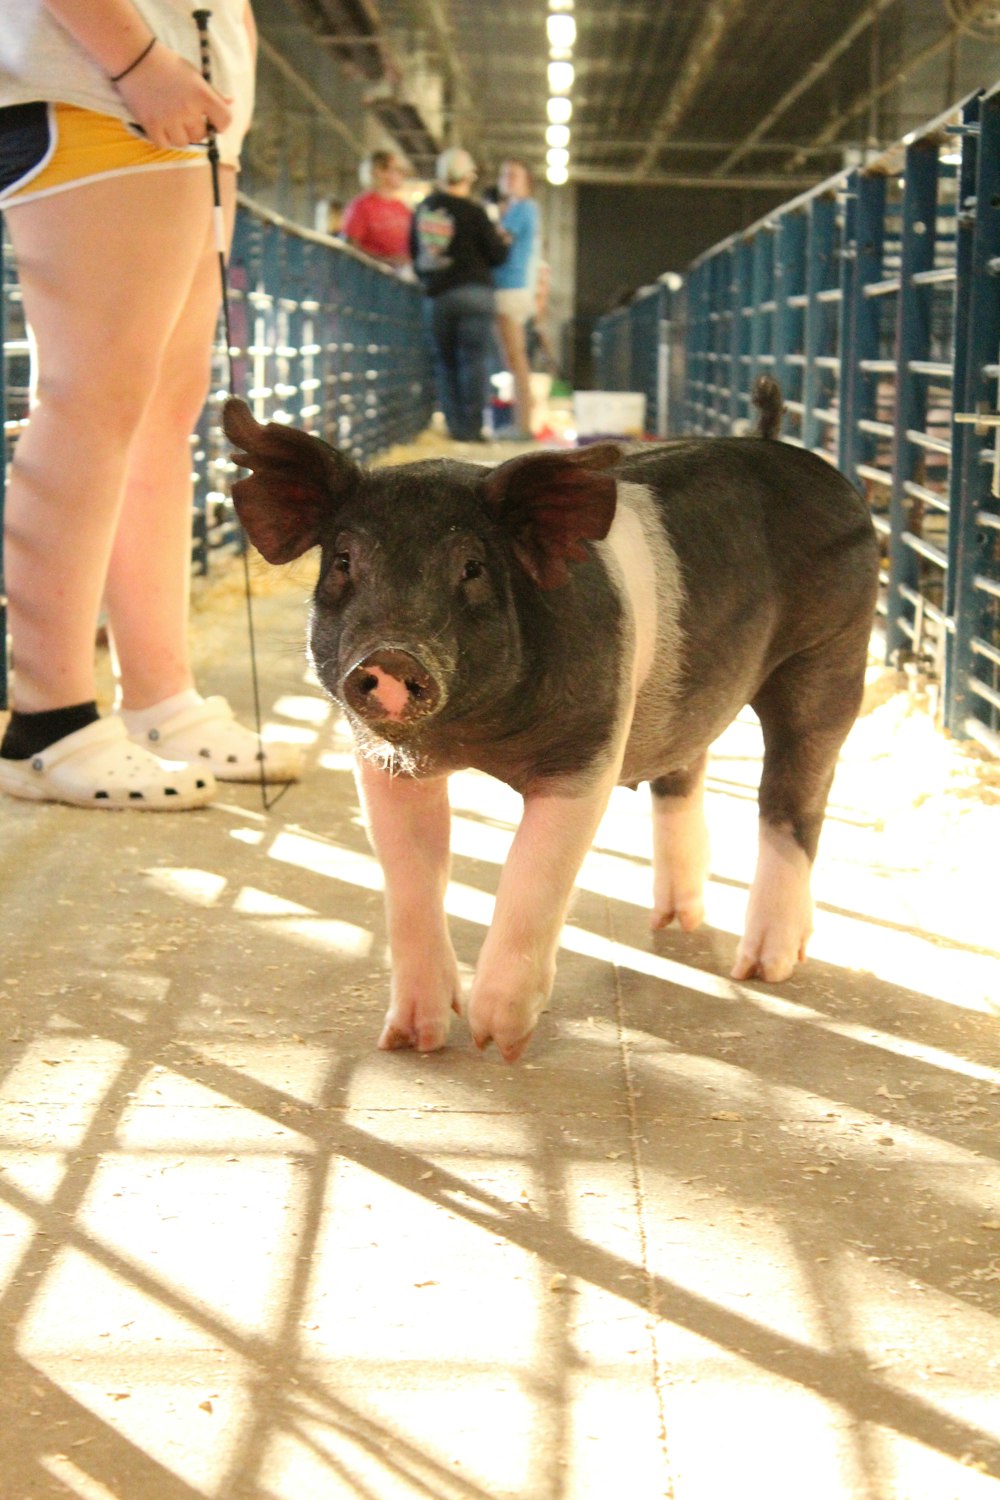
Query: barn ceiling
x,y
742,92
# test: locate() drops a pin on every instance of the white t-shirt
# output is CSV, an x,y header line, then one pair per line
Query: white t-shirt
x,y
39,60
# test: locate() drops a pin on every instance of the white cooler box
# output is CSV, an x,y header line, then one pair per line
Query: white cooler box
x,y
609,413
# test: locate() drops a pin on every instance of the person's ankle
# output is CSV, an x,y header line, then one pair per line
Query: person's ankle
x,y
141,720
28,734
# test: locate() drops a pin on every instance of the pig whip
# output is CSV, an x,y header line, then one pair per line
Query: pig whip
x,y
201,19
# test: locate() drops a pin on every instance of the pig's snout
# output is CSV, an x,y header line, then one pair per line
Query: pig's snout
x,y
389,686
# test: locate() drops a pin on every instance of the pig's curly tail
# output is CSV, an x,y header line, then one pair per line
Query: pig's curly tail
x,y
768,401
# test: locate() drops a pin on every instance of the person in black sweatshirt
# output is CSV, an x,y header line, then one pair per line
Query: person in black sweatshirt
x,y
455,247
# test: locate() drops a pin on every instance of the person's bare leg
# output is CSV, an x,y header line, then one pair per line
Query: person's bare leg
x,y
102,306
148,580
148,584
516,356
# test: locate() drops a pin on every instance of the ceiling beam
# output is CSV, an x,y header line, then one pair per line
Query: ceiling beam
x,y
697,65
812,75
432,16
772,183
918,60
352,32
519,130
318,103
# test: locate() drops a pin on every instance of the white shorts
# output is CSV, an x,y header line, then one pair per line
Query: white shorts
x,y
516,302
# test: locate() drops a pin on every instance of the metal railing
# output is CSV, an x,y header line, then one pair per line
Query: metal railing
x,y
874,300
322,337
635,349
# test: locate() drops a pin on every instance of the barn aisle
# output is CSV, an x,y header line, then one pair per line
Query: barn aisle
x,y
721,1237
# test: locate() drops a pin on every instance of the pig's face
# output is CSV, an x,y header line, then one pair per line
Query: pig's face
x,y
414,617
433,575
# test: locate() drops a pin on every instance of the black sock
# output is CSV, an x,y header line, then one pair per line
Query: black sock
x,y
27,734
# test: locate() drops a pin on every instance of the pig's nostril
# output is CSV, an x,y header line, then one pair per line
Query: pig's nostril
x,y
390,685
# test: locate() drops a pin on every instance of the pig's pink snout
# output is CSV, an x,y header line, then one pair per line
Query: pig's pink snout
x,y
389,685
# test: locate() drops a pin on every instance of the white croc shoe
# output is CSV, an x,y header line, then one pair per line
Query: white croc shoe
x,y
100,767
207,734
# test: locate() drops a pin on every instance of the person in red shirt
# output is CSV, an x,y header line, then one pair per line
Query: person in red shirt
x,y
378,221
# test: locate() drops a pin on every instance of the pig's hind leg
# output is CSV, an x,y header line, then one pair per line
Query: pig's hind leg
x,y
680,847
806,708
409,825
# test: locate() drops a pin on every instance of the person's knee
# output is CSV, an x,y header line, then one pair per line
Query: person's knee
x,y
515,346
110,396
181,391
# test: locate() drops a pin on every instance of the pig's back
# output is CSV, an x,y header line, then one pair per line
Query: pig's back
x,y
757,517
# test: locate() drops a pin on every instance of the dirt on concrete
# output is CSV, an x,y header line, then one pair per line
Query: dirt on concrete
x,y
709,1239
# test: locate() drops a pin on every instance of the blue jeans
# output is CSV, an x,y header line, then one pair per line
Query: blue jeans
x,y
461,326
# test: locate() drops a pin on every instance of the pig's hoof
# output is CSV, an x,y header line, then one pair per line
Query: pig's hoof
x,y
510,1029
688,912
428,1036
508,1050
771,963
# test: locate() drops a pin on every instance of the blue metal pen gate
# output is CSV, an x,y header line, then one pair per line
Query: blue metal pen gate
x,y
322,338
633,350
874,300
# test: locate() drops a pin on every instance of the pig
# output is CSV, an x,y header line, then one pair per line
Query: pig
x,y
567,621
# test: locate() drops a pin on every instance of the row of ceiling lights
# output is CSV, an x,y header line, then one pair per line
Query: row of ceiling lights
x,y
560,27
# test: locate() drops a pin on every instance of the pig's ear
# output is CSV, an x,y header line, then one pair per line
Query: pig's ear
x,y
550,503
297,482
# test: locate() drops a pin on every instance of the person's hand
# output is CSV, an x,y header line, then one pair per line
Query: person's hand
x,y
168,97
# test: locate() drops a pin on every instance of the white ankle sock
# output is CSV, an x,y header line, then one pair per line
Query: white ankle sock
x,y
139,721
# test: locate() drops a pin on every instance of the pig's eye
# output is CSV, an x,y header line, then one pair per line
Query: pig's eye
x,y
342,563
473,569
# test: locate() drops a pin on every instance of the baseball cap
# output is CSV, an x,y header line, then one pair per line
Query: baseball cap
x,y
455,165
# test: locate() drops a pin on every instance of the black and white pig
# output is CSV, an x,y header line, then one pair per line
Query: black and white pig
x,y
567,621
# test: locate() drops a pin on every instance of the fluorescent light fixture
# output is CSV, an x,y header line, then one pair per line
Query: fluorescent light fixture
x,y
557,156
560,77
560,4
557,135
561,31
560,111
557,175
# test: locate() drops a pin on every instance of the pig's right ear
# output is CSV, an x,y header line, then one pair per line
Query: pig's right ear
x,y
297,481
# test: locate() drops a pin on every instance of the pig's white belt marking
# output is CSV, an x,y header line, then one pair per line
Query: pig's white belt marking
x,y
629,545
654,590
649,576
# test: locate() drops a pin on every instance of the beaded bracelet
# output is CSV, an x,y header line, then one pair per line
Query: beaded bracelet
x,y
117,77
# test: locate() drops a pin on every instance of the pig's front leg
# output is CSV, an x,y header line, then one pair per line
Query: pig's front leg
x,y
517,963
409,824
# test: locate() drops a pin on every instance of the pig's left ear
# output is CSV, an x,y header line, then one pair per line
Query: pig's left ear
x,y
550,503
297,482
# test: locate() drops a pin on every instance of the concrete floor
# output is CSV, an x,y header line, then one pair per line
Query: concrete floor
x,y
707,1240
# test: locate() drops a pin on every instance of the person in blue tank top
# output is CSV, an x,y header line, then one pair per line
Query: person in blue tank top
x,y
515,284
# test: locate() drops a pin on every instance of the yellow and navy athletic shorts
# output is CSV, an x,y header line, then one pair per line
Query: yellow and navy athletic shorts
x,y
47,148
